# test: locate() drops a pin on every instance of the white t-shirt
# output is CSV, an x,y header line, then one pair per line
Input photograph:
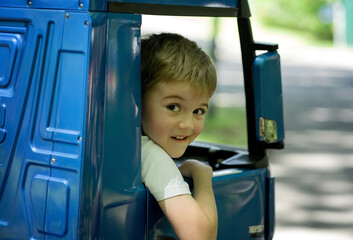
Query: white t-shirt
x,y
159,172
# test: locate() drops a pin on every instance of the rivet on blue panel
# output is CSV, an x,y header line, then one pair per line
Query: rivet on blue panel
x,y
76,27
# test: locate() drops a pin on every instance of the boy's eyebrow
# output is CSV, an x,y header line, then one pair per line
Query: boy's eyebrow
x,y
174,96
181,98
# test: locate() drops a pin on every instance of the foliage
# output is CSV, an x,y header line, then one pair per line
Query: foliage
x,y
303,15
225,125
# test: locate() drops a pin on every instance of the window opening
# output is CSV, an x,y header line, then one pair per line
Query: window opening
x,y
225,121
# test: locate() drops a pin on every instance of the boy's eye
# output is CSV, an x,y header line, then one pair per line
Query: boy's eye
x,y
199,111
173,108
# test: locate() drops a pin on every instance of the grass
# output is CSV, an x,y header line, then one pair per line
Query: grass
x,y
225,125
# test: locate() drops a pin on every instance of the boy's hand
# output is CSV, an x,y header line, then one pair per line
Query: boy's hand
x,y
193,168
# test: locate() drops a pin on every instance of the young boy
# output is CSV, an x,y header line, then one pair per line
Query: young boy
x,y
178,79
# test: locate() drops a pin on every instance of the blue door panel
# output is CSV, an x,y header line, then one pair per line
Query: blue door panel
x,y
241,204
57,207
41,155
37,200
10,51
122,130
112,185
69,89
12,40
126,221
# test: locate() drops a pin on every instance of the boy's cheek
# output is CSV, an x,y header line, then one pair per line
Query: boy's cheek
x,y
201,126
197,131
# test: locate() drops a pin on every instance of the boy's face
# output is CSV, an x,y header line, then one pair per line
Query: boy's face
x,y
173,115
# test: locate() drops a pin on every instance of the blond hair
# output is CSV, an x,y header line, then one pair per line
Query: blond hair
x,y
172,57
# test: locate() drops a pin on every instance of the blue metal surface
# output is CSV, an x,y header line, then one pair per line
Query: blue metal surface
x,y
268,91
10,46
194,3
2,131
242,204
270,214
45,4
112,176
58,203
124,203
41,156
101,5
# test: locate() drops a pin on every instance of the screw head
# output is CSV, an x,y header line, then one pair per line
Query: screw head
x,y
81,5
29,3
52,161
67,15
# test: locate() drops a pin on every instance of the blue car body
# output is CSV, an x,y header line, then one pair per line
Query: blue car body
x,y
70,124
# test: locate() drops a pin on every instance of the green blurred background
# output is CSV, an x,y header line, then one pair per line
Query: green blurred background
x,y
315,22
327,22
311,17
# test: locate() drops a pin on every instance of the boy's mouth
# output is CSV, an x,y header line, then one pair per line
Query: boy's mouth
x,y
180,138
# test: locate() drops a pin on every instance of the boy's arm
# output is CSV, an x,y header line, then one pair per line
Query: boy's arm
x,y
193,217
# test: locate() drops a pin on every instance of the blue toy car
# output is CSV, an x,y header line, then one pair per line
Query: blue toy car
x,y
70,123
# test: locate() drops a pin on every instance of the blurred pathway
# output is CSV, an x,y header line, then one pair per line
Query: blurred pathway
x,y
314,190
314,173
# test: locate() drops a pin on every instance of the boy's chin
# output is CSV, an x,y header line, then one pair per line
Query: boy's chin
x,y
177,154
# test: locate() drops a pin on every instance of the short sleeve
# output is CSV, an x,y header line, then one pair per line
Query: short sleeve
x,y
159,172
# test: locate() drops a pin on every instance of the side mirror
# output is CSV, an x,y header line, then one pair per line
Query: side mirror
x,y
268,100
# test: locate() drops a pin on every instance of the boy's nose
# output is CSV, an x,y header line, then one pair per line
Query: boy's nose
x,y
186,123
